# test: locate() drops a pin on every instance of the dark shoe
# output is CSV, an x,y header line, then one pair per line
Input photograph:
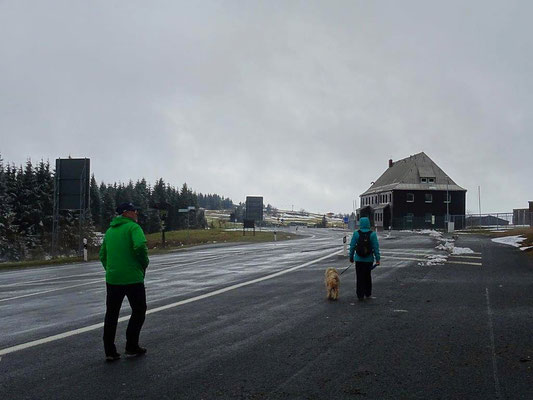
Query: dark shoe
x,y
112,357
138,351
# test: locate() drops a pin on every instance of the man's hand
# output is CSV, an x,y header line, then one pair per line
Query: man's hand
x,y
378,263
351,259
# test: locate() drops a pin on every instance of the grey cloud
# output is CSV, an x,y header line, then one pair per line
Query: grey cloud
x,y
303,102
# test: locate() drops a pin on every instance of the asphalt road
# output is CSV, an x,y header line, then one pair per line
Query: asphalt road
x,y
252,322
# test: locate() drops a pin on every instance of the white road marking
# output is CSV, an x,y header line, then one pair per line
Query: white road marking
x,y
464,263
459,256
493,348
50,290
400,311
426,259
165,307
411,252
405,258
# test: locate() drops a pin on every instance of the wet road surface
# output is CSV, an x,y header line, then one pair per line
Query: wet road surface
x,y
251,321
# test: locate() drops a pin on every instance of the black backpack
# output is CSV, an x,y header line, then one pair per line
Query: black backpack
x,y
364,247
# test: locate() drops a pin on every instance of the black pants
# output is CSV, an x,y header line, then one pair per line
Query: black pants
x,y
363,278
137,299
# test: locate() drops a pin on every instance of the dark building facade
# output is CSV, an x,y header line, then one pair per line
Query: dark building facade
x,y
413,193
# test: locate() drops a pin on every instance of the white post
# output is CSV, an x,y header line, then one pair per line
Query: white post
x,y
345,245
85,258
275,236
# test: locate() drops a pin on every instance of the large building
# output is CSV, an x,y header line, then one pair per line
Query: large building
x,y
413,193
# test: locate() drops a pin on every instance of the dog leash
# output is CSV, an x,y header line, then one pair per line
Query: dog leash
x,y
372,268
345,269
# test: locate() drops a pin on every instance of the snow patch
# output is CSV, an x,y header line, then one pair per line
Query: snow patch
x,y
526,248
514,241
462,250
446,245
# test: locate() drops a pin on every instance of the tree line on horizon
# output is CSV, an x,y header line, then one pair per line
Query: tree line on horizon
x,y
27,208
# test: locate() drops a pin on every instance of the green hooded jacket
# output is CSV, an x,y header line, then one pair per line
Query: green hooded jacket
x,y
124,254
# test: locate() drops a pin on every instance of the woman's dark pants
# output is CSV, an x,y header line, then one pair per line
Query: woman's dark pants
x,y
137,299
363,278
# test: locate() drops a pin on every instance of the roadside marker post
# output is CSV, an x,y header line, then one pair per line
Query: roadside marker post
x,y
345,245
85,256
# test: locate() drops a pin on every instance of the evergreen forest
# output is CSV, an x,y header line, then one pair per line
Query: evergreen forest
x,y
27,205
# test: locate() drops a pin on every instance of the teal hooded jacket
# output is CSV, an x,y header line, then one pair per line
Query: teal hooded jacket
x,y
364,226
124,254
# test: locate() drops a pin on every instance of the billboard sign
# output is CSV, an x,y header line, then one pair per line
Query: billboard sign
x,y
72,180
254,208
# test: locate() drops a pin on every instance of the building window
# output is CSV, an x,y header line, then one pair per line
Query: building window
x,y
427,217
431,180
410,197
424,180
409,217
449,200
429,198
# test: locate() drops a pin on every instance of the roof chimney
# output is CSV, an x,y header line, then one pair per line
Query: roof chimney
x,y
390,163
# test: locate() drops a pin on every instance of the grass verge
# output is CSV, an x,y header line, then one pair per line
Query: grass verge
x,y
177,239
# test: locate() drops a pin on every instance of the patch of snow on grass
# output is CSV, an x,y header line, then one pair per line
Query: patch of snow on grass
x,y
510,240
526,248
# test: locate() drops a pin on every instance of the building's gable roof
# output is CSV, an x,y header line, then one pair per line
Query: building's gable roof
x,y
405,175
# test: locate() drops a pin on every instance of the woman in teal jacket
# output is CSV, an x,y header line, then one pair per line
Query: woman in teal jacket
x,y
363,263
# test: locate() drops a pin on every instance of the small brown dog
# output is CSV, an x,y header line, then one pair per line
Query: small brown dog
x,y
332,283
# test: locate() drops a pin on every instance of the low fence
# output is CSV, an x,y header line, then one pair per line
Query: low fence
x,y
493,220
469,221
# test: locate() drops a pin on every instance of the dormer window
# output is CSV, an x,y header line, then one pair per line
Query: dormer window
x,y
431,180
424,180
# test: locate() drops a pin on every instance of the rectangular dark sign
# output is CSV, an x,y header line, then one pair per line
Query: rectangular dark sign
x,y
72,183
254,208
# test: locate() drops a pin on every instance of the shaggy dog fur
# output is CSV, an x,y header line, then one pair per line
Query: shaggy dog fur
x,y
332,283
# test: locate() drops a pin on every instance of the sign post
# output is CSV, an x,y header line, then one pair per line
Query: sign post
x,y
188,211
71,192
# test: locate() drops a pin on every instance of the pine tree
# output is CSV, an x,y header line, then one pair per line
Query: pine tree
x,y
96,204
140,197
8,232
45,197
108,208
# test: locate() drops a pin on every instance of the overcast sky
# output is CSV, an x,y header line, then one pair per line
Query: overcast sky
x,y
300,102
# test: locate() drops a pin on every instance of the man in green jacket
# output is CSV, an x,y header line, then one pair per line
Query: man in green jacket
x,y
364,247
124,256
